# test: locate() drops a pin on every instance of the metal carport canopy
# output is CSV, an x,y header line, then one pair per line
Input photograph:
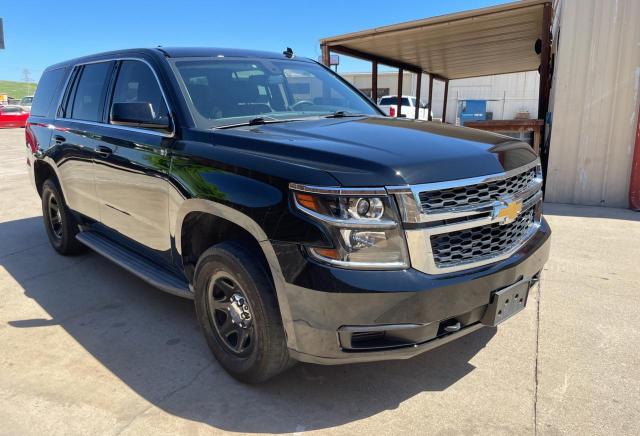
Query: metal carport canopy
x,y
480,42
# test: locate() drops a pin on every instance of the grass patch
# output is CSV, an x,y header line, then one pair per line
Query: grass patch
x,y
17,89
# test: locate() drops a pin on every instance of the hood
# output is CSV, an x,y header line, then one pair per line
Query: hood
x,y
380,151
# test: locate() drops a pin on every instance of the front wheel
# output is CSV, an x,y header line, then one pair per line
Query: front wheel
x,y
238,313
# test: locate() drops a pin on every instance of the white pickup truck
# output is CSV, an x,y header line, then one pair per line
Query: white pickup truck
x,y
389,104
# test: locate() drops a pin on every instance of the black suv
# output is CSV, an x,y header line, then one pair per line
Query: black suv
x,y
306,225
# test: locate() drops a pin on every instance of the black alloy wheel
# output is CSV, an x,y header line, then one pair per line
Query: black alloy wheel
x,y
230,314
60,223
55,217
238,312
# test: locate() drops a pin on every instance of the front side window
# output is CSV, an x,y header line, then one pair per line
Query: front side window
x,y
90,91
137,83
228,91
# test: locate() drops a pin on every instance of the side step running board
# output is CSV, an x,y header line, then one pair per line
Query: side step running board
x,y
136,264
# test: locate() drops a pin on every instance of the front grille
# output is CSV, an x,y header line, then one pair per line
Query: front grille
x,y
473,244
461,224
470,195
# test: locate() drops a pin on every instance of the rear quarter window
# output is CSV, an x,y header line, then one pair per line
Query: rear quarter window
x,y
46,91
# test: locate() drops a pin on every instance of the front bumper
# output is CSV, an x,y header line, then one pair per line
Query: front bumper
x,y
326,305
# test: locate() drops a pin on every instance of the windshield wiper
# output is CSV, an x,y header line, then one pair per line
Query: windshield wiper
x,y
344,114
259,121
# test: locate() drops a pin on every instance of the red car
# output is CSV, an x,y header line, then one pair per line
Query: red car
x,y
13,116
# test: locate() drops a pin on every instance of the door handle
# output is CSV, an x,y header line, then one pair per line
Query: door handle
x,y
59,139
103,150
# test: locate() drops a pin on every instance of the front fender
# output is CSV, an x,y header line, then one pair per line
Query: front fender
x,y
252,227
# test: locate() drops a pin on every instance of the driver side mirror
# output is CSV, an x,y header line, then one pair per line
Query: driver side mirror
x,y
137,114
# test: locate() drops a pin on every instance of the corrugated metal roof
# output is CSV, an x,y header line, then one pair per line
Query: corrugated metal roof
x,y
480,42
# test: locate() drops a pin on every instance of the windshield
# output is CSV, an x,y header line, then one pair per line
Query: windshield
x,y
223,92
26,100
392,101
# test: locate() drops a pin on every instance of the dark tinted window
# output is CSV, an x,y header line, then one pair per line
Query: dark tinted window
x,y
137,83
45,91
89,93
392,101
223,92
64,111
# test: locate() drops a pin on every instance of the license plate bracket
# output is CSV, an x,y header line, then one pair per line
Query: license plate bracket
x,y
506,302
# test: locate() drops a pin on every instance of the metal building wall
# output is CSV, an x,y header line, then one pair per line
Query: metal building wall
x,y
386,80
594,102
509,93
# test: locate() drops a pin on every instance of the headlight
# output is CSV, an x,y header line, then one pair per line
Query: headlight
x,y
363,225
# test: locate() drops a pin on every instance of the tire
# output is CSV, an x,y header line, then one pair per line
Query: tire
x,y
59,222
235,298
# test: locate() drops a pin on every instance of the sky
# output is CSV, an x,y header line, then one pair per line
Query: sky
x,y
39,33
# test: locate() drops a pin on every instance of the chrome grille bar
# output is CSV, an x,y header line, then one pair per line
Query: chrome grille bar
x,y
477,243
474,213
438,200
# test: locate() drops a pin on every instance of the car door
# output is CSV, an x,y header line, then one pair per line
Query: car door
x,y
6,118
408,110
12,116
132,166
74,140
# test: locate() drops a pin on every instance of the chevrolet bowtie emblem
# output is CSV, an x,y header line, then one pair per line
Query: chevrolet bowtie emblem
x,y
507,211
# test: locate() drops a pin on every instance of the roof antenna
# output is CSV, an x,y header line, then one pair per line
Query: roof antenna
x,y
163,51
288,52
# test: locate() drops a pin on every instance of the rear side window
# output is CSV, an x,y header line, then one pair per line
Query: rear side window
x,y
45,92
137,83
11,110
90,91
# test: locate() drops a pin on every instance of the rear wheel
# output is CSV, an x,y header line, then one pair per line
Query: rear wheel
x,y
59,222
238,312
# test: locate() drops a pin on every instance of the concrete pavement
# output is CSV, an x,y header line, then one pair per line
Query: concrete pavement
x,y
89,349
